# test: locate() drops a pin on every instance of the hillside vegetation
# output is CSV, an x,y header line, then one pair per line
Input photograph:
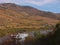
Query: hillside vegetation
x,y
15,16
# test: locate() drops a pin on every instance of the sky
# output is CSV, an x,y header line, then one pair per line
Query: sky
x,y
44,5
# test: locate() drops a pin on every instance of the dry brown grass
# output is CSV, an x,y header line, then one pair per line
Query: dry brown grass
x,y
21,18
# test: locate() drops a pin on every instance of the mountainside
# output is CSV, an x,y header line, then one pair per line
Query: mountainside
x,y
12,15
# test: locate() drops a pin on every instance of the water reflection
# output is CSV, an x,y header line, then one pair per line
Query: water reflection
x,y
20,37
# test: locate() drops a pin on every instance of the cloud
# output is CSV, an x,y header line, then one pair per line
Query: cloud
x,y
41,2
7,1
35,2
4,1
13,1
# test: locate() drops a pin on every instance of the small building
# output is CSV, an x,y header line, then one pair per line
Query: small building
x,y
22,36
45,32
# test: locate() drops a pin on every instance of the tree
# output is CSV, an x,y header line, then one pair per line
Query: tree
x,y
53,39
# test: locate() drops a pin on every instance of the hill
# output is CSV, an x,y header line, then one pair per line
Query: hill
x,y
12,15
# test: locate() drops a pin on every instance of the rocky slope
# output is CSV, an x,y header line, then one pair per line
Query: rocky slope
x,y
12,15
